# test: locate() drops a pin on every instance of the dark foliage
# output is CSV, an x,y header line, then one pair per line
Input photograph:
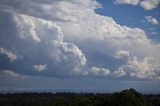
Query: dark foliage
x,y
124,98
153,100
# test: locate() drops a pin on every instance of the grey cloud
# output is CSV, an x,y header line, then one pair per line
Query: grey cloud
x,y
119,72
9,54
10,74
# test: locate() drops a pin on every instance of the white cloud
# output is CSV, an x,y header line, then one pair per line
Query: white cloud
x,y
40,67
149,4
28,25
151,20
122,54
9,74
74,50
99,71
12,56
146,4
133,2
145,68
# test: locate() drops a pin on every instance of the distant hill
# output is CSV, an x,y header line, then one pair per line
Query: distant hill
x,y
129,97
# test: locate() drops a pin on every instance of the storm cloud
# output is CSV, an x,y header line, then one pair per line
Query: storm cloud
x,y
59,38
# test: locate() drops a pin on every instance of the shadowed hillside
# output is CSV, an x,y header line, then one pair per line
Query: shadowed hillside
x,y
124,98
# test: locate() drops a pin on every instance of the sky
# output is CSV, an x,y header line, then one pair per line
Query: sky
x,y
80,45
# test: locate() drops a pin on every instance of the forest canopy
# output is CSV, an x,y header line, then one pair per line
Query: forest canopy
x,y
128,97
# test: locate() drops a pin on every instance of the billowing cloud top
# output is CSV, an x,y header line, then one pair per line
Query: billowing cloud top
x,y
59,38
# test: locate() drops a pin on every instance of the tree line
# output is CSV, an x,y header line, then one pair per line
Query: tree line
x,y
129,97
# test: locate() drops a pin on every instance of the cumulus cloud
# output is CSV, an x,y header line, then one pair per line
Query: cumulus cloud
x,y
71,44
9,54
149,4
151,20
51,36
146,4
145,68
40,67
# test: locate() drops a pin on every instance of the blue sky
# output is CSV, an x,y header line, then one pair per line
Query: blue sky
x,y
133,16
85,46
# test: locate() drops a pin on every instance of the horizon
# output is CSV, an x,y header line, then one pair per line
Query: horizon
x,y
54,91
74,91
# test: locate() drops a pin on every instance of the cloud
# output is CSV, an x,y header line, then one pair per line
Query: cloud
x,y
26,26
9,54
149,4
122,54
40,67
60,34
10,74
151,20
143,69
119,72
154,33
99,71
145,4
132,2
51,36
